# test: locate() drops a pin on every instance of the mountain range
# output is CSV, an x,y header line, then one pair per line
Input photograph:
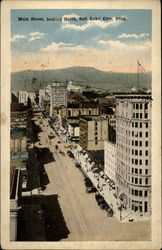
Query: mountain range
x,y
32,80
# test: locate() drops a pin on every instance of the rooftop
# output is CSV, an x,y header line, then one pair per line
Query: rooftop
x,y
138,95
92,118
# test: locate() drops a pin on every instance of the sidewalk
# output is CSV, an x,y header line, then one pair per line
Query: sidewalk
x,y
105,190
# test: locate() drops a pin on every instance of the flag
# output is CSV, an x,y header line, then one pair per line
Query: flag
x,y
140,68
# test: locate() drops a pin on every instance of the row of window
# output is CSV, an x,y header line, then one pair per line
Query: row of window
x,y
139,192
139,162
139,143
138,171
140,105
140,115
136,180
139,152
139,124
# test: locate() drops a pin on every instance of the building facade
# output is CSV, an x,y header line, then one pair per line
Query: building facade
x,y
110,160
66,112
93,132
22,97
58,96
133,142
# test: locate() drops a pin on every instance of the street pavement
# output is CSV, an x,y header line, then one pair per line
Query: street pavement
x,y
84,218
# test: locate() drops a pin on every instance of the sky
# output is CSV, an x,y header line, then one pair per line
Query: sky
x,y
109,40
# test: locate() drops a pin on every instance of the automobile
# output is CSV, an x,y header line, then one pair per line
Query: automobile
x,y
69,153
77,165
90,189
97,170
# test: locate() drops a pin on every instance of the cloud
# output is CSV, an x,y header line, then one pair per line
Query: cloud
x,y
37,33
34,38
136,36
56,46
16,37
116,44
92,23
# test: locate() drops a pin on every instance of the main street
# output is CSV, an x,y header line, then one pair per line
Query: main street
x,y
84,218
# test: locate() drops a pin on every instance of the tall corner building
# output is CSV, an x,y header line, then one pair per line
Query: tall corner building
x,y
133,141
58,96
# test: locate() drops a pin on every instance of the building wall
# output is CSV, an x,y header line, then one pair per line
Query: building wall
x,y
73,130
133,128
63,112
110,160
18,146
22,97
58,96
93,133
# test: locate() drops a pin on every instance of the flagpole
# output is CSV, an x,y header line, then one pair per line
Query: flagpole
x,y
137,76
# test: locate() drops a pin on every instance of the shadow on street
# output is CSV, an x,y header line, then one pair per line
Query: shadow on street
x,y
41,219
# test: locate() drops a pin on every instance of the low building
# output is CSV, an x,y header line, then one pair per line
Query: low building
x,y
66,112
110,160
93,132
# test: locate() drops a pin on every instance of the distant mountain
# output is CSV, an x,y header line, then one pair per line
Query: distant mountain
x,y
32,80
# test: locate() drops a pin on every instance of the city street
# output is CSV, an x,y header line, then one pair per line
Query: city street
x,y
84,218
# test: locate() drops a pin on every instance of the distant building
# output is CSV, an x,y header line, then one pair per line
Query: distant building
x,y
67,112
18,115
58,96
74,87
22,97
93,132
133,142
110,160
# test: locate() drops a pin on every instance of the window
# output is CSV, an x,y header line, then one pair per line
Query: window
x,y
132,151
95,123
136,192
137,106
140,180
146,115
132,124
140,105
134,105
146,171
140,134
136,180
146,124
146,181
146,143
132,170
132,179
141,115
145,193
132,161
96,138
140,143
132,133
140,124
137,115
136,170
132,143
140,162
136,152
140,152
133,115
146,134
132,191
146,105
140,171
96,142
136,161
136,143
146,162
146,152
140,192
136,124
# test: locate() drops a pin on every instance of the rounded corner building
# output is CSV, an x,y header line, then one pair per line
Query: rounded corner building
x,y
133,142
